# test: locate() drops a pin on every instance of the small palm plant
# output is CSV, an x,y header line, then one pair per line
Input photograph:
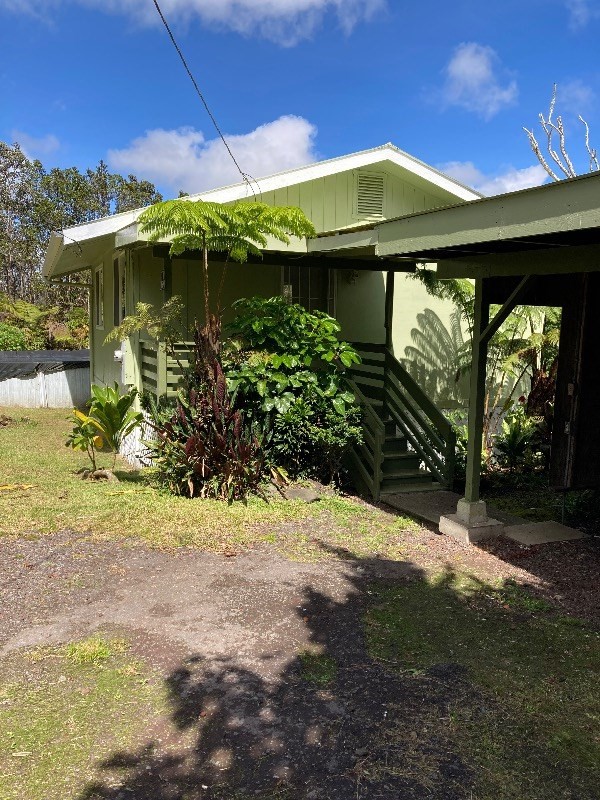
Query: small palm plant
x,y
110,419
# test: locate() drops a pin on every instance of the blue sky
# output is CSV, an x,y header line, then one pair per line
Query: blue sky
x,y
293,81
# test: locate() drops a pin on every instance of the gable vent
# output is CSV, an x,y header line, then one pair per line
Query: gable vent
x,y
369,199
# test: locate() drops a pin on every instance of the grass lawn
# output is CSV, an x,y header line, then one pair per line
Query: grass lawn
x,y
33,454
528,721
489,679
64,710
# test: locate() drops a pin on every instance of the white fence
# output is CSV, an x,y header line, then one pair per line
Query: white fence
x,y
64,389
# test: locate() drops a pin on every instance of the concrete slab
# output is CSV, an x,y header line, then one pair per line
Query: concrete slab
x,y
431,506
541,533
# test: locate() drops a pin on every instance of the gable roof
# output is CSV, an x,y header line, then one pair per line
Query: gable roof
x,y
76,237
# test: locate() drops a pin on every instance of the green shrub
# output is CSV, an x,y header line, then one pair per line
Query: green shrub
x,y
310,439
513,446
286,368
11,337
110,419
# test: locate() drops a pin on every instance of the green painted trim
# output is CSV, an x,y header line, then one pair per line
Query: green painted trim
x,y
559,260
569,205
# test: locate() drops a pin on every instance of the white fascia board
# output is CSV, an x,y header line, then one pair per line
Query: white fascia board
x,y
53,253
321,169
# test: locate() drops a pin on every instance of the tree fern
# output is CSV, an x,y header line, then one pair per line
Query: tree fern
x,y
239,230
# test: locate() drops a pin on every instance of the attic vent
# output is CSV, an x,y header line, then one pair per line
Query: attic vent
x,y
369,194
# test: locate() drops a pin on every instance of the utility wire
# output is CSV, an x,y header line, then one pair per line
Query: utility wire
x,y
246,178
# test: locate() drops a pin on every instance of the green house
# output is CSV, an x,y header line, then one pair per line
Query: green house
x,y
344,197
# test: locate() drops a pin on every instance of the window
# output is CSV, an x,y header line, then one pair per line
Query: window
x,y
119,290
99,296
311,287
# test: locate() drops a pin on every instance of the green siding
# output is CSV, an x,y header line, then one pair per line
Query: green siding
x,y
330,203
105,369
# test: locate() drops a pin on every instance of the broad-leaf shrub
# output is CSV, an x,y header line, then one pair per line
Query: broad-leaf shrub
x,y
514,445
286,367
11,337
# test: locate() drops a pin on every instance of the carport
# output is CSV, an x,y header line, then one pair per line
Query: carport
x,y
538,246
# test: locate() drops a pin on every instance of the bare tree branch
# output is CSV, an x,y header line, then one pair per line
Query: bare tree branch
x,y
538,153
594,165
549,128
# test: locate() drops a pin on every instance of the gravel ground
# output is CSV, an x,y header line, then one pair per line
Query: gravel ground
x,y
225,633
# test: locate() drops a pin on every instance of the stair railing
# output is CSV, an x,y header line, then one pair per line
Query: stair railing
x,y
367,458
384,384
430,434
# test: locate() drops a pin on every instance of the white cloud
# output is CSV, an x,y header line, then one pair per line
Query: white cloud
x,y
574,97
510,179
283,21
36,147
472,81
184,159
581,12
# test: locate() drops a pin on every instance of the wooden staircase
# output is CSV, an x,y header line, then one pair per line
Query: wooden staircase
x,y
408,443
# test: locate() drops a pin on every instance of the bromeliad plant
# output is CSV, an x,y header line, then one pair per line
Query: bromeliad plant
x,y
109,420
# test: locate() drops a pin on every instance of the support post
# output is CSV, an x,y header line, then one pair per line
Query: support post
x,y
471,522
389,309
389,339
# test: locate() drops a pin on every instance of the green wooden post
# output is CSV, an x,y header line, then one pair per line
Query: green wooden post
x,y
389,308
389,339
477,394
161,369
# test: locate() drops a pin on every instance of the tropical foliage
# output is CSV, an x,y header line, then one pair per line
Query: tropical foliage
x,y
30,327
213,445
34,202
206,449
286,368
522,355
109,420
238,230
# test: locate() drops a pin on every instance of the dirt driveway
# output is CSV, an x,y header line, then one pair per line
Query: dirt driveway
x,y
226,634
271,692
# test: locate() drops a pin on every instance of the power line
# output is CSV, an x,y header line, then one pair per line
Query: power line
x,y
245,177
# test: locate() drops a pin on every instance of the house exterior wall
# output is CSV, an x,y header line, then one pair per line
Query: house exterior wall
x,y
331,204
104,369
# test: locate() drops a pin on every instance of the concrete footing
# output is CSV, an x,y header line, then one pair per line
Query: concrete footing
x,y
470,523
454,526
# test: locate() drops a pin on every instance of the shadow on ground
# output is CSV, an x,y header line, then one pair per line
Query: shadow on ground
x,y
566,573
334,724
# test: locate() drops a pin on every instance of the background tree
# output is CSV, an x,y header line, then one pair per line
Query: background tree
x,y
34,203
554,127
